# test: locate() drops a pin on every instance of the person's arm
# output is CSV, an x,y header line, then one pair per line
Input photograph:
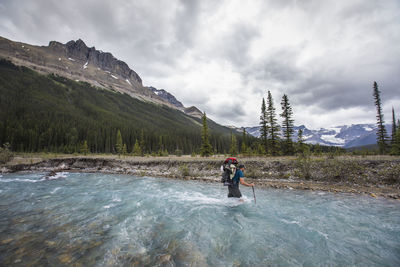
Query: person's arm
x,y
244,183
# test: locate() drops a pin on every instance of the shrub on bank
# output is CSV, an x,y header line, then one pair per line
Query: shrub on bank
x,y
5,154
184,170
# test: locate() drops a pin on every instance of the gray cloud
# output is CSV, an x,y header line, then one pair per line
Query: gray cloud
x,y
323,54
235,44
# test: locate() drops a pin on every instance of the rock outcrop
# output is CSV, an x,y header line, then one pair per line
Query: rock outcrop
x,y
193,111
76,61
167,96
103,60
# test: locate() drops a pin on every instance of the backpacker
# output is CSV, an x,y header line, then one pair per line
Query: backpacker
x,y
228,170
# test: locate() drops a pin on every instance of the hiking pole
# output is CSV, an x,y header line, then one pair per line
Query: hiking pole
x,y
254,194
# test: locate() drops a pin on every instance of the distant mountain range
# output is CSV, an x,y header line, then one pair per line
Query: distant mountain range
x,y
345,136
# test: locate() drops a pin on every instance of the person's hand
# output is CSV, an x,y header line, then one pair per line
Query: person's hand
x,y
251,185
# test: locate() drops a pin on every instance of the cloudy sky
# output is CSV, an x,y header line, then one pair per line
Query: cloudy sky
x,y
223,56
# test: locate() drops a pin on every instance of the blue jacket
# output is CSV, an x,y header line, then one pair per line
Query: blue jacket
x,y
236,179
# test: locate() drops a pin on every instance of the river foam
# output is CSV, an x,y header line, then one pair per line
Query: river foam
x,y
98,219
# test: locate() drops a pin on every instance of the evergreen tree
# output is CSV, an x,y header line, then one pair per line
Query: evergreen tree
x,y
137,150
119,145
84,148
124,150
206,148
394,127
300,142
142,143
272,125
381,133
160,146
233,147
287,125
395,150
261,150
243,148
264,127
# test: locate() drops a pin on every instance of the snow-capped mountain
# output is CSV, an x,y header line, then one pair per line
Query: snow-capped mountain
x,y
343,136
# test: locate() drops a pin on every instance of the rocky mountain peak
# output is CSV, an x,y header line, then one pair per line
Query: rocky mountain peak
x,y
78,50
167,96
194,112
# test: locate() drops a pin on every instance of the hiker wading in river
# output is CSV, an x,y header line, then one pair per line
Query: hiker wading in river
x,y
234,186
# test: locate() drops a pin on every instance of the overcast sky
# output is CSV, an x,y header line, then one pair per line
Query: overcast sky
x,y
223,56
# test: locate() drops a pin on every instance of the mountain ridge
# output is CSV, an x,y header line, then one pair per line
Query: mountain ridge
x,y
345,136
76,61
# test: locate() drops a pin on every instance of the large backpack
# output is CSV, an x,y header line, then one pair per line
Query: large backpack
x,y
228,170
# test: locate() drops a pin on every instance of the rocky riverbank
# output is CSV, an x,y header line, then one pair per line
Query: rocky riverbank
x,y
375,177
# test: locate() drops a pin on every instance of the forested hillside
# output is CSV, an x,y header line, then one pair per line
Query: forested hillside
x,y
52,113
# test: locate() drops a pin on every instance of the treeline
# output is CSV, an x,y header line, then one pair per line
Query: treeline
x,y
271,142
50,113
276,139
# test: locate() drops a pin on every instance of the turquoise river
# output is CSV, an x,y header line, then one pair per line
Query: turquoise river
x,y
92,219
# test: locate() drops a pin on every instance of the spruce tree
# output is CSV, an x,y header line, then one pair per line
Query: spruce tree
x,y
272,125
137,150
287,125
381,133
124,150
243,148
300,142
119,145
264,127
206,148
394,127
142,143
395,150
160,146
233,147
85,148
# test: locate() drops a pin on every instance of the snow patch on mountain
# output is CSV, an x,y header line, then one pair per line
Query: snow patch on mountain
x,y
333,139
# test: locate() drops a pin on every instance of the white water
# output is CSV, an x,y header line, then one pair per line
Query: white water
x,y
97,219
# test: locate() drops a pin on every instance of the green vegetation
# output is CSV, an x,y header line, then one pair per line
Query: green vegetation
x,y
263,148
85,148
5,154
243,148
137,150
287,126
381,133
184,170
54,114
206,148
119,145
233,148
273,126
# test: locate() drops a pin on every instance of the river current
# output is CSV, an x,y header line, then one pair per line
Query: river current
x,y
119,220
